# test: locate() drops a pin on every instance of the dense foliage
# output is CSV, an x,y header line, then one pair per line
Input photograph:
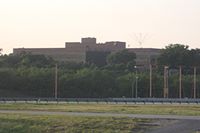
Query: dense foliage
x,y
25,60
29,75
175,55
122,60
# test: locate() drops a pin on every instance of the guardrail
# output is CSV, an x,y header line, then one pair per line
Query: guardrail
x,y
102,100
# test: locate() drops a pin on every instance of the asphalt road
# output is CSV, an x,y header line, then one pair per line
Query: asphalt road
x,y
178,124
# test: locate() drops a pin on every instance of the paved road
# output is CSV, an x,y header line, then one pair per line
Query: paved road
x,y
179,124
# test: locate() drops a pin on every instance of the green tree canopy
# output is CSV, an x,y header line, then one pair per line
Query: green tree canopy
x,y
174,55
25,59
122,58
194,55
179,55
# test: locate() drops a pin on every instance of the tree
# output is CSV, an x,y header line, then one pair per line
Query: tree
x,y
97,58
25,59
123,59
36,60
175,55
9,60
1,51
87,82
194,57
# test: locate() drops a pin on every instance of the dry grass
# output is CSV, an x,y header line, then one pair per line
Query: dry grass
x,y
18,123
193,110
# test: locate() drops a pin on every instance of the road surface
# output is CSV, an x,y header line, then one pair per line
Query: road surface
x,y
180,126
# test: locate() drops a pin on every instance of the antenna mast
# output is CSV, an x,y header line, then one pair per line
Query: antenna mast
x,y
140,38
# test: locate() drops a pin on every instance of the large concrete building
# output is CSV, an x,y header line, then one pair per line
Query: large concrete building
x,y
88,50
75,51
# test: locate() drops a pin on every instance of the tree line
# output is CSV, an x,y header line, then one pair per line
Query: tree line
x,y
27,75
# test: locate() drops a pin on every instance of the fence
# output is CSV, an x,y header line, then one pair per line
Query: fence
x,y
102,100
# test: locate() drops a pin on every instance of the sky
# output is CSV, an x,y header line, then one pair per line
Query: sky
x,y
51,23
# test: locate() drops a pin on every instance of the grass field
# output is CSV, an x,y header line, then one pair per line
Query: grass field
x,y
192,110
18,123
27,123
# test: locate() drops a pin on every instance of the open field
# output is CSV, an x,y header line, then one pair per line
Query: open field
x,y
58,118
191,110
21,123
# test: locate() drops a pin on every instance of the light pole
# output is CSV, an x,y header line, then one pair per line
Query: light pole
x,y
166,82
132,85
195,81
150,81
56,81
180,82
136,82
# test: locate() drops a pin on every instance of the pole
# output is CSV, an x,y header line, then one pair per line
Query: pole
x,y
132,86
136,82
56,81
180,82
136,87
167,81
165,91
195,81
150,84
164,82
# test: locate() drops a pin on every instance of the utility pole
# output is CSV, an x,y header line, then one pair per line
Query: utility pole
x,y
56,81
180,82
136,82
166,89
150,81
195,81
132,86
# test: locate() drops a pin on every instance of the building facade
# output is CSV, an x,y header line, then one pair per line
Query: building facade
x,y
88,50
75,51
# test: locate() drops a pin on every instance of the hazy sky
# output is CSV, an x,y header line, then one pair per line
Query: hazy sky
x,y
50,23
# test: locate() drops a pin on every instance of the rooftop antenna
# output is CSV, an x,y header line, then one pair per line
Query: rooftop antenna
x,y
140,38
